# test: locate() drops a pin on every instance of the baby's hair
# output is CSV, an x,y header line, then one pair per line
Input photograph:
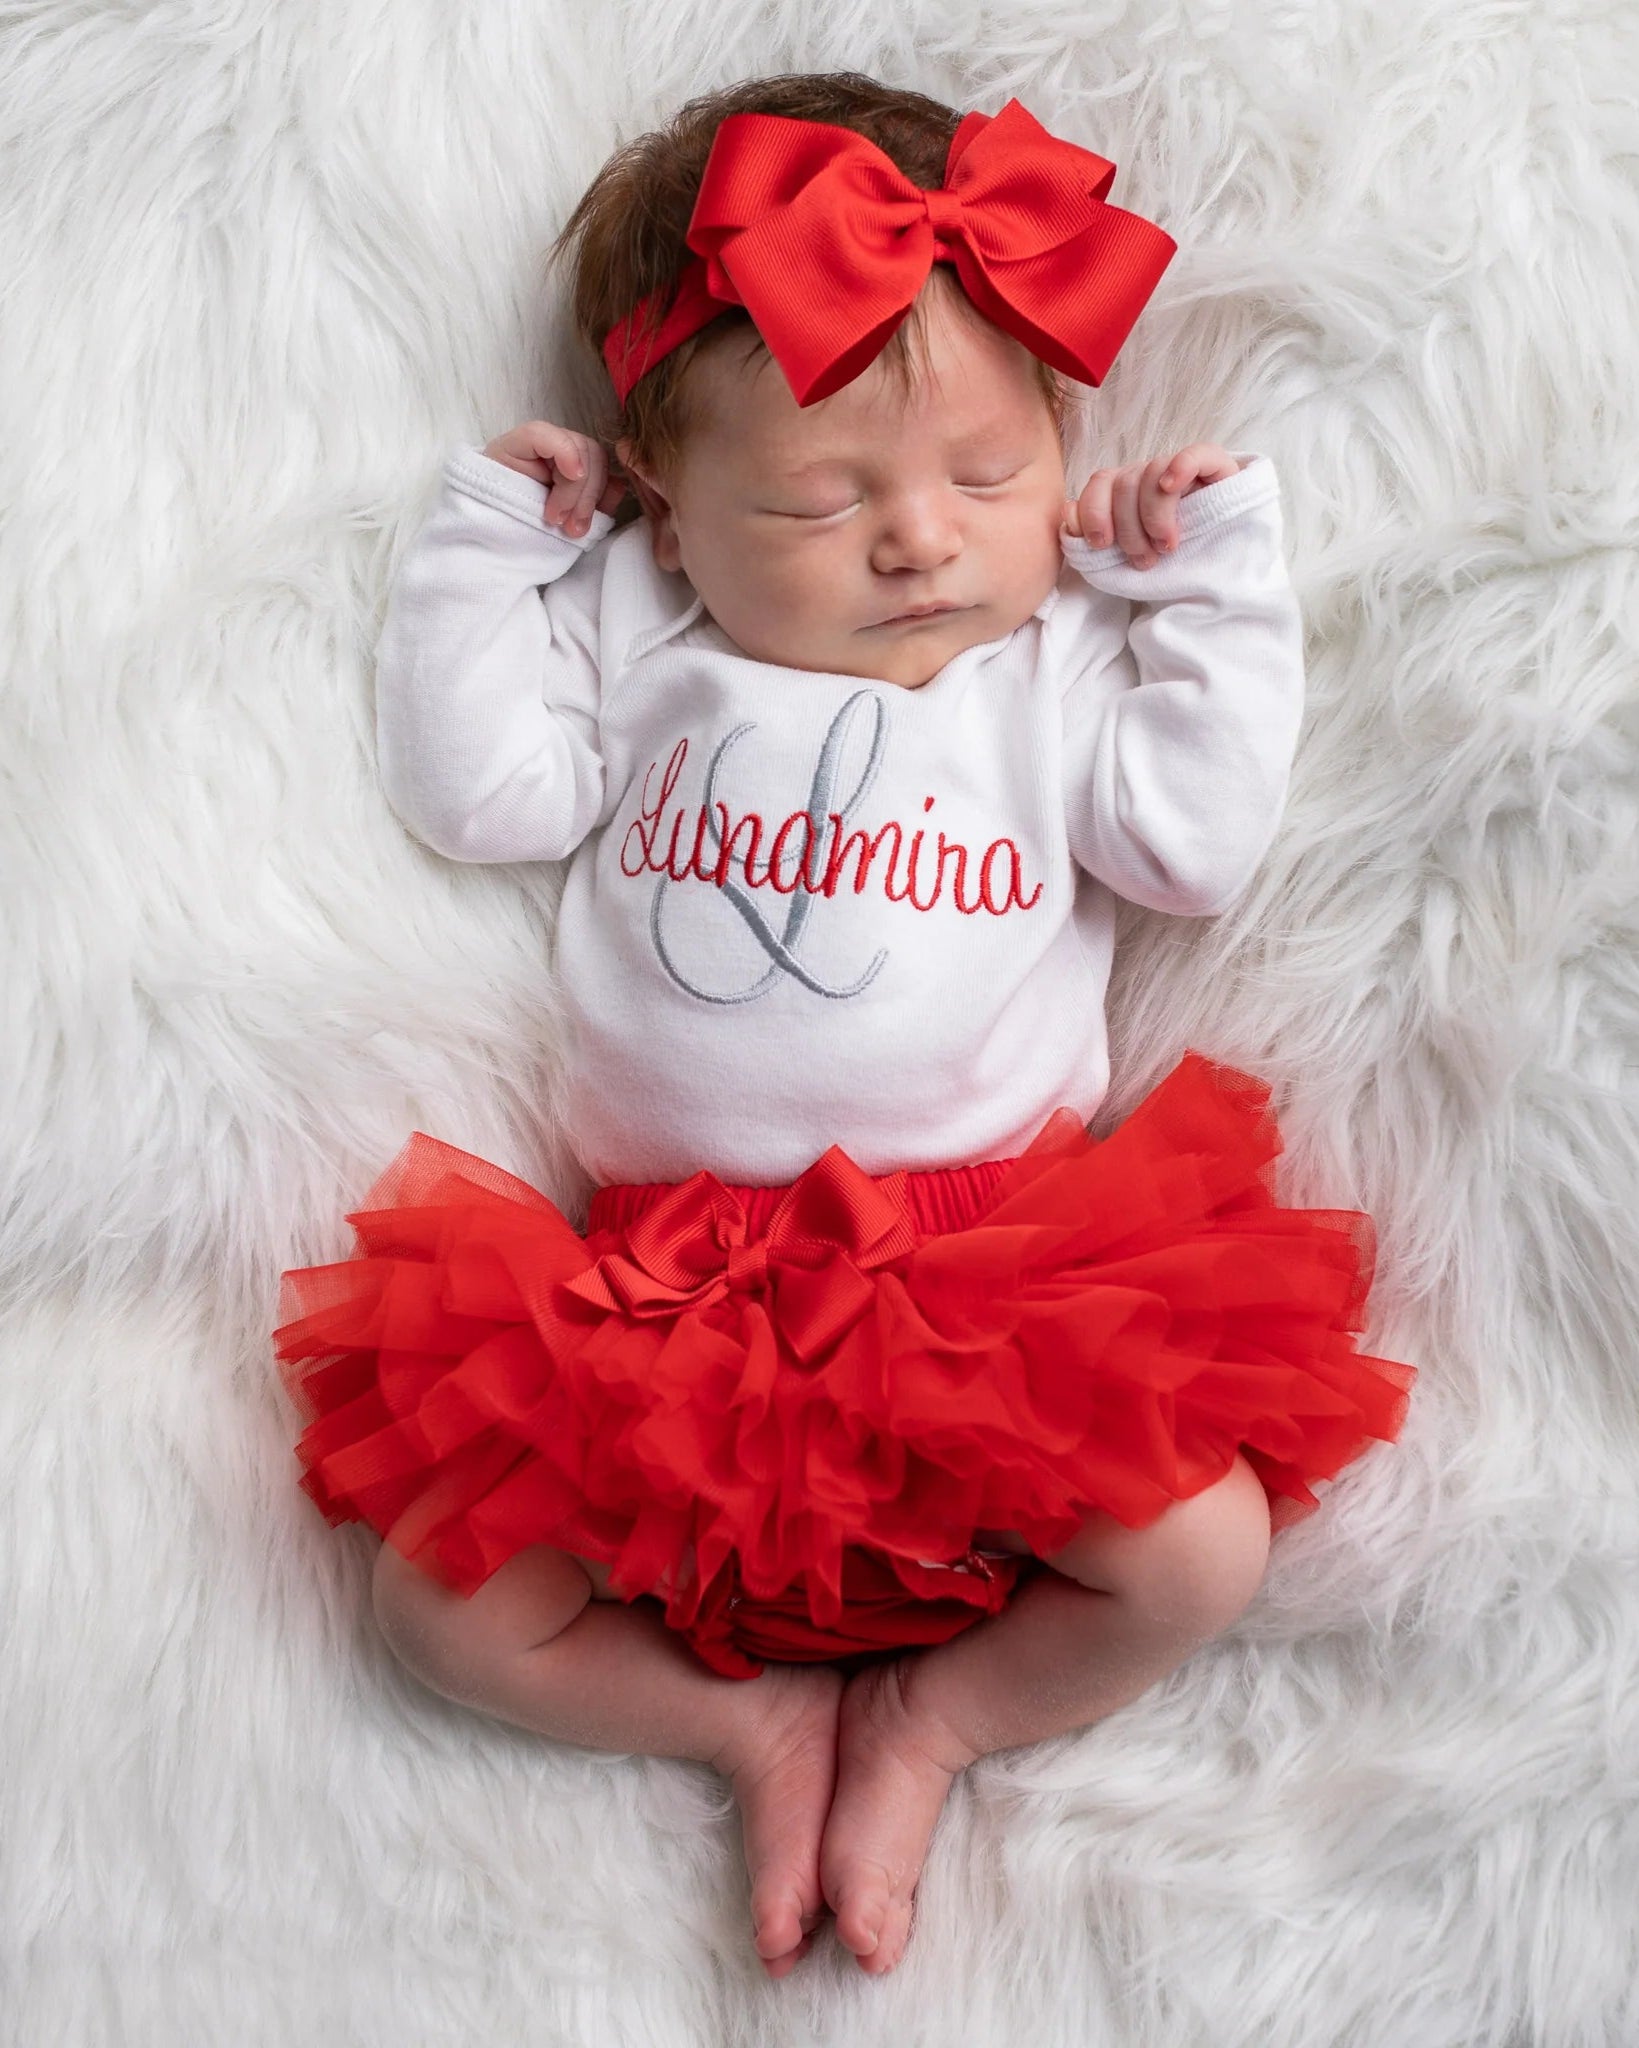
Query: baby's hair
x,y
627,236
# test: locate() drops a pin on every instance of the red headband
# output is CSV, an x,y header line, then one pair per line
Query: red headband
x,y
826,243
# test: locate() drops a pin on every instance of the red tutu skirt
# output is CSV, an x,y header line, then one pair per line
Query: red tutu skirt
x,y
788,1412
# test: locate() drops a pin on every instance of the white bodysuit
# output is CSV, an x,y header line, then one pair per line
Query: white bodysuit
x,y
804,908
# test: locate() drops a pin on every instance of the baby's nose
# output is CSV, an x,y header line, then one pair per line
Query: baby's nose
x,y
917,537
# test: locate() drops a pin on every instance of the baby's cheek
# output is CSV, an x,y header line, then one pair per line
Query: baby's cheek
x,y
788,611
755,577
810,592
1046,557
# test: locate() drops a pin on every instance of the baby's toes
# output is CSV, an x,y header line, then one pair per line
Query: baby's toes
x,y
782,1965
780,1915
869,1920
893,1936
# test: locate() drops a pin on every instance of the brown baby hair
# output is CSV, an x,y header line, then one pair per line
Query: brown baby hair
x,y
626,237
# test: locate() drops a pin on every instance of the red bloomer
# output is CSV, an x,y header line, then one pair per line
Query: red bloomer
x,y
786,1412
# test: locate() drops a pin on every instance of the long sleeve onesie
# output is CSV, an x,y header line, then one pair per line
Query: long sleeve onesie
x,y
803,908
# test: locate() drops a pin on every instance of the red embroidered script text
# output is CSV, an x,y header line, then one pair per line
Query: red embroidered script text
x,y
794,855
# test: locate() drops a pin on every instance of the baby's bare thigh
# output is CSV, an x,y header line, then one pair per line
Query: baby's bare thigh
x,y
1202,1559
1220,1532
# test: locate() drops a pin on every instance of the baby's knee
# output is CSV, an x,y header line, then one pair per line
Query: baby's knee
x,y
448,1640
1196,1566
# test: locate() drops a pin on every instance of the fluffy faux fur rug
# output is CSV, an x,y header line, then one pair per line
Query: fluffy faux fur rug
x,y
265,263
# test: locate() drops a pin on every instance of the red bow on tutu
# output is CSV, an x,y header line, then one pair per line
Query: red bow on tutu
x,y
833,1225
826,243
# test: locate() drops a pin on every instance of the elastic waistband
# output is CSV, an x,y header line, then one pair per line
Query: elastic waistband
x,y
939,1198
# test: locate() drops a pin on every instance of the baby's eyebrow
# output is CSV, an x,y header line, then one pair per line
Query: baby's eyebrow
x,y
982,441
819,462
992,434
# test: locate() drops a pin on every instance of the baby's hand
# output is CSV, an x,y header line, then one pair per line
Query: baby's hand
x,y
1140,502
574,465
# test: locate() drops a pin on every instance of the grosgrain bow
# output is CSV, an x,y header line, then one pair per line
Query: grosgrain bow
x,y
826,243
833,1225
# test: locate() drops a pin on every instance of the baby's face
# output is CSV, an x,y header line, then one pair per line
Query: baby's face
x,y
808,532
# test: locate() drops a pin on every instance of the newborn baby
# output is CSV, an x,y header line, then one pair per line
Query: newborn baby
x,y
878,534
880,1418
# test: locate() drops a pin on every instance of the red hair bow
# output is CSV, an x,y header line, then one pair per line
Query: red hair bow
x,y
826,243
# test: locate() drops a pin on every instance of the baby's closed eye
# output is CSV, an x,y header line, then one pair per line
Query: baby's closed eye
x,y
807,512
990,482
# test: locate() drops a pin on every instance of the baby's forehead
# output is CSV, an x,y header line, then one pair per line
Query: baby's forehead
x,y
791,441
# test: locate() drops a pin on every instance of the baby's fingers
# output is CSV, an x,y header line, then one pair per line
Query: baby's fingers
x,y
1129,519
1094,508
574,467
1158,495
573,498
532,448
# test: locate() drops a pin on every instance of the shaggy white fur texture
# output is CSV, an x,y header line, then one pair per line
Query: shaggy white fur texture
x,y
264,263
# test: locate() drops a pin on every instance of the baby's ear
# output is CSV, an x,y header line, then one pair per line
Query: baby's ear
x,y
647,496
657,510
643,488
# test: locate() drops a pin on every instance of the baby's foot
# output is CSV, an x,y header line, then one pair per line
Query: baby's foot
x,y
783,1766
894,1769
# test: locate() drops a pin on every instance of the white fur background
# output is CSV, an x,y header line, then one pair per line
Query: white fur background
x,y
263,264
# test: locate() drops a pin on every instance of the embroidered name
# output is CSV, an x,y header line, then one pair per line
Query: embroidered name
x,y
719,847
722,848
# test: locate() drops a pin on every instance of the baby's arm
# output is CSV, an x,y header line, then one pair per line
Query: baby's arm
x,y
486,684
1178,751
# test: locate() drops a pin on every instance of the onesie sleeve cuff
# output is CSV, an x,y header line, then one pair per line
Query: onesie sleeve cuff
x,y
473,473
1254,483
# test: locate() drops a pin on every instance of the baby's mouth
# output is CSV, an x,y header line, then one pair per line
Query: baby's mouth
x,y
919,613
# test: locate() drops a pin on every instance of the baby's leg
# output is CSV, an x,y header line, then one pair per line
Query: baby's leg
x,y
1119,1609
541,1646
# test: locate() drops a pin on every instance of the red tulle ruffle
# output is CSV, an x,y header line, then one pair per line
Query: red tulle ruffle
x,y
787,1412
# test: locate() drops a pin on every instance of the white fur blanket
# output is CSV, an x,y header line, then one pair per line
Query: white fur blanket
x,y
264,263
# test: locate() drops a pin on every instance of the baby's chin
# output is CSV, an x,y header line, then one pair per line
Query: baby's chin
x,y
913,653
907,654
